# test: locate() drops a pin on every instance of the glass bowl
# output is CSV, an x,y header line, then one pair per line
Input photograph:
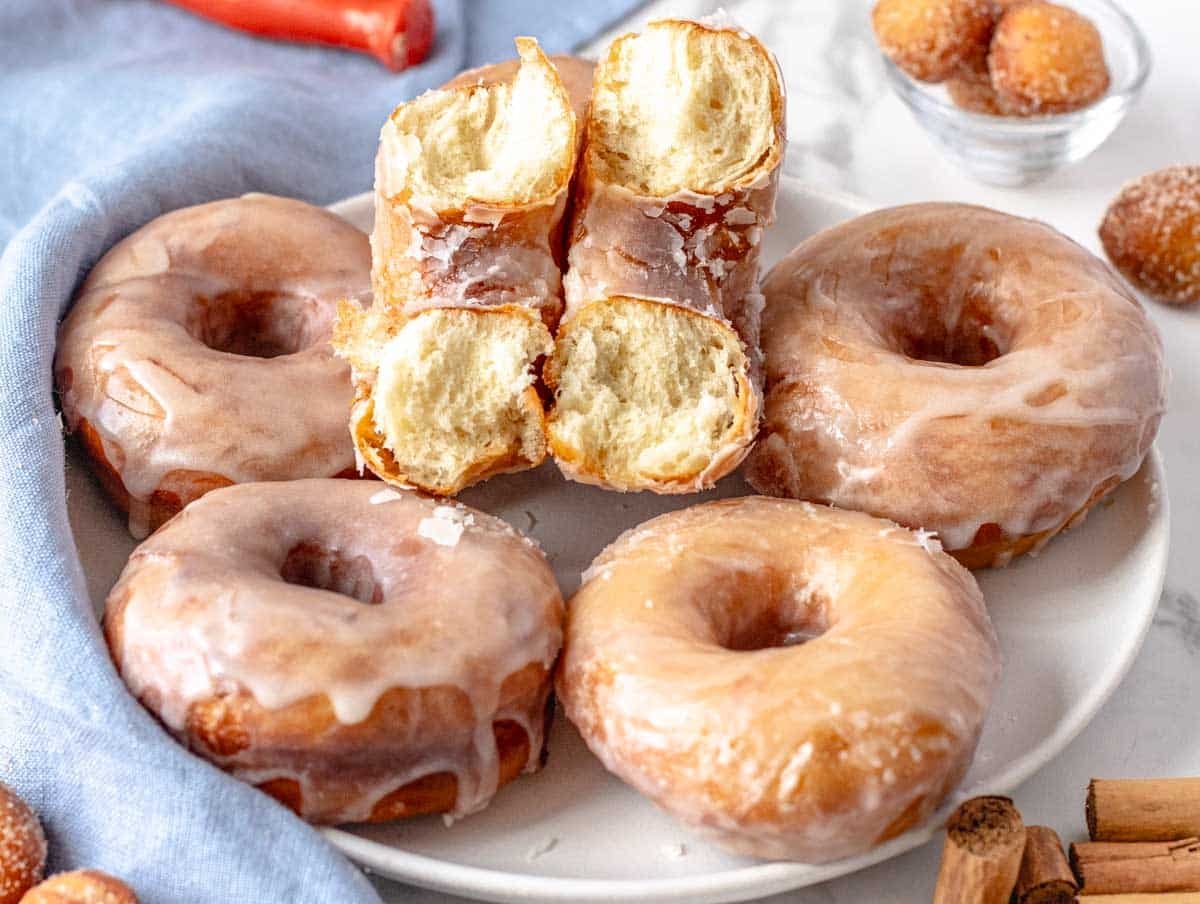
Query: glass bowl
x,y
1011,150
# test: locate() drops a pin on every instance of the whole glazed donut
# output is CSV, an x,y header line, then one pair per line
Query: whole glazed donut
x,y
197,353
794,681
359,654
958,370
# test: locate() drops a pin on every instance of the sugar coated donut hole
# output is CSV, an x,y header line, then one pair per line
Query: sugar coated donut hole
x,y
22,847
929,39
84,886
1151,233
1046,58
971,86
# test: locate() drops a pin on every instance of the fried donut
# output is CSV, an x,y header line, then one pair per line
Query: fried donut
x,y
931,39
197,353
793,681
359,654
971,87
467,251
1151,233
84,886
22,847
1046,58
955,369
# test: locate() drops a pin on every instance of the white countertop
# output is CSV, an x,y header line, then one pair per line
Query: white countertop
x,y
848,132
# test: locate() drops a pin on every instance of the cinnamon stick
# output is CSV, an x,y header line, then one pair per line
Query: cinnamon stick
x,y
1045,876
985,838
1087,851
1143,809
1176,870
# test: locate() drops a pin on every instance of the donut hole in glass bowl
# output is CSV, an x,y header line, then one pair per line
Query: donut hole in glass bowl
x,y
313,564
258,324
1019,150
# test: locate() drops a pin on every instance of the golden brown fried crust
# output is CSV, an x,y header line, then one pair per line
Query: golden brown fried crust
x,y
990,548
22,847
1047,58
1151,233
174,492
239,734
930,39
85,886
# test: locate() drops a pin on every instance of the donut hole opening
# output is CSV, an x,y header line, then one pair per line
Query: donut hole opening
x,y
682,106
313,564
775,617
259,324
647,392
927,333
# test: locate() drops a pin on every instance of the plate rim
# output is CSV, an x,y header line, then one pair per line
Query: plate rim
x,y
767,878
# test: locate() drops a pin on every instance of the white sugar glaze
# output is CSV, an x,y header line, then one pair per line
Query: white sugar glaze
x,y
1067,406
706,701
203,611
694,251
256,274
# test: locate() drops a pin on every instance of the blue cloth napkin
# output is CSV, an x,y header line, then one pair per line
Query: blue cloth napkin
x,y
112,113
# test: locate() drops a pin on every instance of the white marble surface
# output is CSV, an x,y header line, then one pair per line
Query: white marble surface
x,y
848,132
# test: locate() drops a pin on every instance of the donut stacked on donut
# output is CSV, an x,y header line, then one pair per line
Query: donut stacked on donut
x,y
654,371
957,370
793,681
360,654
467,280
197,353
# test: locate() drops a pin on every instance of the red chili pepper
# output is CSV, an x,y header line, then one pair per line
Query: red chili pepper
x,y
397,32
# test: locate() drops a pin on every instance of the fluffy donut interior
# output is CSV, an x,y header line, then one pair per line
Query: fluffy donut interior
x,y
681,106
510,142
454,394
646,390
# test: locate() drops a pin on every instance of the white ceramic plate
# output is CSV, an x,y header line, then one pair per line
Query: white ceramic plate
x,y
1070,623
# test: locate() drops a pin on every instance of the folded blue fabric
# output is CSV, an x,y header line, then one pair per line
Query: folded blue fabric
x,y
110,114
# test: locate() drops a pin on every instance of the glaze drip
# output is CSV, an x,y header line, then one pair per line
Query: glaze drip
x,y
200,345
954,369
220,602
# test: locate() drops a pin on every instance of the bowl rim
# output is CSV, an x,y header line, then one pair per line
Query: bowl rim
x,y
916,93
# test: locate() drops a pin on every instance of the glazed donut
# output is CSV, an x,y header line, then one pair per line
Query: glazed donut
x,y
359,653
197,353
794,681
22,847
84,886
955,369
1151,233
